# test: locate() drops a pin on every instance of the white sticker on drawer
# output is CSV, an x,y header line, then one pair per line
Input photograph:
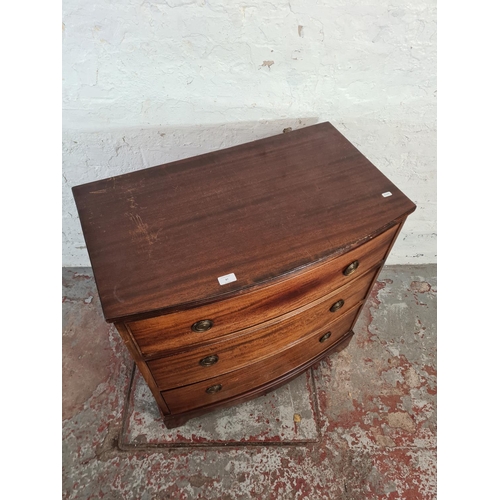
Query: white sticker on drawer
x,y
386,194
228,278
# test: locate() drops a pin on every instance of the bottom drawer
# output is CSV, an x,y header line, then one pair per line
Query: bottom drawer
x,y
240,381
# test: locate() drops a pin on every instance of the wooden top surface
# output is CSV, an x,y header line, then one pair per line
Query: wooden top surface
x,y
159,238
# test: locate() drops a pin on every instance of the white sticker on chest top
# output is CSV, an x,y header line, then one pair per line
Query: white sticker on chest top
x,y
228,278
386,194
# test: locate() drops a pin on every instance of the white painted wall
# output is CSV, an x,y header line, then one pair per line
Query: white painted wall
x,y
148,82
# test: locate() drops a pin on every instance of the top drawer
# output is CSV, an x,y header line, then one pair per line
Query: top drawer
x,y
199,324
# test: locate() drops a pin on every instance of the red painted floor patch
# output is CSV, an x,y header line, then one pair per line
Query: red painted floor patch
x,y
286,416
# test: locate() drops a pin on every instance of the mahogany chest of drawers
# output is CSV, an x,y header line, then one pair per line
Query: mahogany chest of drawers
x,y
230,273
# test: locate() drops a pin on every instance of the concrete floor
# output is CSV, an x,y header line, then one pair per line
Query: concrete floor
x,y
359,425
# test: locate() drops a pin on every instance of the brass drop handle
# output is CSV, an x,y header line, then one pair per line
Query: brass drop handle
x,y
202,326
337,305
209,360
325,337
351,268
213,389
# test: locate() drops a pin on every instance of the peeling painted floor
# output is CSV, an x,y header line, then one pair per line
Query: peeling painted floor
x,y
367,426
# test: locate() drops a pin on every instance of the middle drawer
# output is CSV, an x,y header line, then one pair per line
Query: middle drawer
x,y
250,345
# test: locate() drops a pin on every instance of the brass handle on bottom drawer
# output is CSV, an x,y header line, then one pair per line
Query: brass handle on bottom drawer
x,y
202,326
351,268
326,336
337,305
213,389
209,360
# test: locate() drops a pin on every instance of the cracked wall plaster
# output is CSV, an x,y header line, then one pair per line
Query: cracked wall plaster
x,y
149,82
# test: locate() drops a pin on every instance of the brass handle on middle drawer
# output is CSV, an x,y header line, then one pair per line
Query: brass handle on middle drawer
x,y
326,336
351,268
337,305
209,360
202,326
213,389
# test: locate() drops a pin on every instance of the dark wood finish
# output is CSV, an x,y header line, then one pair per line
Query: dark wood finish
x,y
171,331
254,344
264,209
302,222
259,373
173,421
128,340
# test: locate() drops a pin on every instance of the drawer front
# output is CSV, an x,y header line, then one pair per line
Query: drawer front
x,y
200,363
183,328
257,374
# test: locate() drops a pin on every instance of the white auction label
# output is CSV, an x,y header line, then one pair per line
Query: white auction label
x,y
386,194
228,278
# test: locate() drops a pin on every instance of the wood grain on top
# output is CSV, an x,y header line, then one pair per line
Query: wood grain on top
x,y
159,238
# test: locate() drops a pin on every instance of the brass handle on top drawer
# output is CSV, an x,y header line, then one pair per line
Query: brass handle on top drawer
x,y
351,268
202,326
337,305
209,360
213,389
326,336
